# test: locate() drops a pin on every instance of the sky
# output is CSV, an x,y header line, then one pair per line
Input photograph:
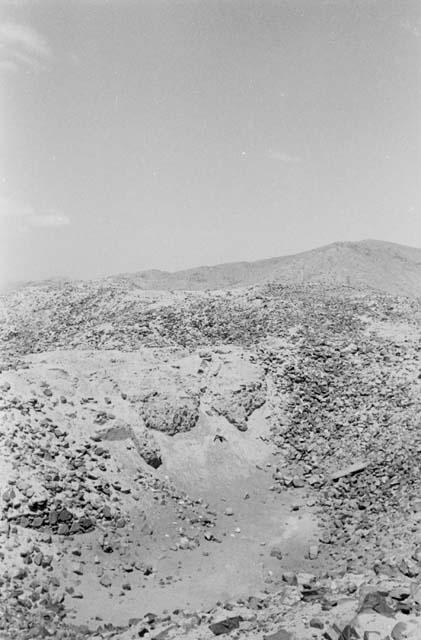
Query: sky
x,y
167,134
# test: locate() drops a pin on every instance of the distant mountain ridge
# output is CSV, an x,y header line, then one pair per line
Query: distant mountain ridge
x,y
385,266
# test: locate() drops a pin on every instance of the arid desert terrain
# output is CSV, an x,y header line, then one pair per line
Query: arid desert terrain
x,y
227,451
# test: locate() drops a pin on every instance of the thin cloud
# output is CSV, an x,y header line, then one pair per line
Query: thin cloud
x,y
23,217
281,156
21,47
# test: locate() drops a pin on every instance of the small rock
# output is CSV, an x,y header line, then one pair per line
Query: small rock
x,y
316,623
332,633
105,581
313,552
276,552
225,626
298,482
290,578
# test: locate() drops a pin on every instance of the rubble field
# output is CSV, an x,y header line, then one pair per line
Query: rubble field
x,y
184,465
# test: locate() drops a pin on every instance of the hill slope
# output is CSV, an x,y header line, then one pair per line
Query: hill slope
x,y
175,463
385,266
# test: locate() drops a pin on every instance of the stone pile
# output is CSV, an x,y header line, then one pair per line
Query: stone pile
x,y
350,395
105,315
57,484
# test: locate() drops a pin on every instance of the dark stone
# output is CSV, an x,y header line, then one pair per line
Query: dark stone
x,y
316,623
85,523
311,594
75,527
64,516
37,522
377,602
106,512
333,633
62,529
349,633
225,626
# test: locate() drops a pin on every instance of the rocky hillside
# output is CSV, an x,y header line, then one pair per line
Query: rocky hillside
x,y
193,464
384,266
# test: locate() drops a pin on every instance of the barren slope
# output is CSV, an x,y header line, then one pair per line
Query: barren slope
x,y
380,265
179,465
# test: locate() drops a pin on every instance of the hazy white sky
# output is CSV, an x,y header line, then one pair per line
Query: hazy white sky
x,y
172,133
